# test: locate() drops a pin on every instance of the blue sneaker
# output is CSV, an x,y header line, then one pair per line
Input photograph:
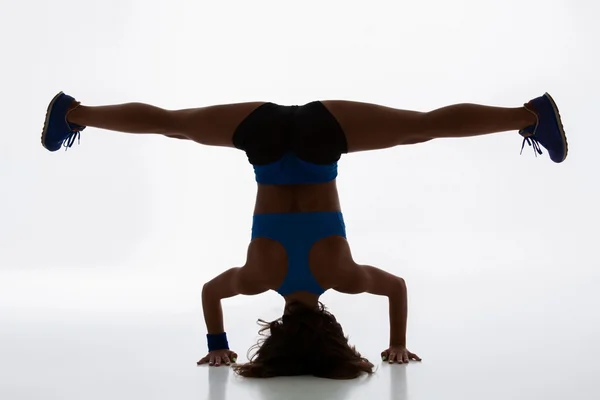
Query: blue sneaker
x,y
57,131
548,131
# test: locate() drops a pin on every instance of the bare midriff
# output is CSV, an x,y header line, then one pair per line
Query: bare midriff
x,y
320,197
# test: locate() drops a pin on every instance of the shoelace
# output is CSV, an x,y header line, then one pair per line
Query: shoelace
x,y
532,141
529,138
75,133
69,140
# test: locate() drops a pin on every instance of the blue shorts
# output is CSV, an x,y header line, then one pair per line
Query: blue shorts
x,y
297,233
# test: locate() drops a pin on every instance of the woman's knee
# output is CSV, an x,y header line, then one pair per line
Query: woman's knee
x,y
211,125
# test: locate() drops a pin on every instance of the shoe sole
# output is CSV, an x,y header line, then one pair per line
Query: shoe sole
x,y
561,129
45,130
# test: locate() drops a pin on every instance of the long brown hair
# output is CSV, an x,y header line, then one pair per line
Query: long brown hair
x,y
305,341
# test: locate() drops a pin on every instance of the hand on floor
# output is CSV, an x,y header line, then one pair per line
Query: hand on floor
x,y
398,354
218,357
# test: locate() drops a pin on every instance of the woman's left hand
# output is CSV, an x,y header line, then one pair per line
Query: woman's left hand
x,y
399,354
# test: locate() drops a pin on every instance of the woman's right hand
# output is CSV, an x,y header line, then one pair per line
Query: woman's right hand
x,y
218,357
399,354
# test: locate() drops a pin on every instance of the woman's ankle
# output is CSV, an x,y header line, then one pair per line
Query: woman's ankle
x,y
75,114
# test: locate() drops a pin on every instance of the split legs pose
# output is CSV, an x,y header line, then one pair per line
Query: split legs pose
x,y
366,126
312,254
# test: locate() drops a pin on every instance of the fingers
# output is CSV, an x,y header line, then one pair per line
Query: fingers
x,y
390,356
219,359
385,355
404,357
398,356
202,361
211,360
393,357
232,358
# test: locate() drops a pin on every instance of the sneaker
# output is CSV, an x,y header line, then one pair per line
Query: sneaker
x,y
57,131
548,131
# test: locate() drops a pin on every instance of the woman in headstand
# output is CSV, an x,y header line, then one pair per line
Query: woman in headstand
x,y
298,246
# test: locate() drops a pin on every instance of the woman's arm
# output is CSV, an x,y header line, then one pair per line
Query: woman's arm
x,y
369,279
234,281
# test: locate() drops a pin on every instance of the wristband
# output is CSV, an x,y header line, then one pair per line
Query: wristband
x,y
217,342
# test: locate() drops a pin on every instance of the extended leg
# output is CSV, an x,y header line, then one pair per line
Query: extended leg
x,y
212,125
373,127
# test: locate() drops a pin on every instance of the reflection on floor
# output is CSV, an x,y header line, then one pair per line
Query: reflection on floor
x,y
517,347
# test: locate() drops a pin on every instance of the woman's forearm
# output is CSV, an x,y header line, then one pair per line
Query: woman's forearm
x,y
398,305
213,312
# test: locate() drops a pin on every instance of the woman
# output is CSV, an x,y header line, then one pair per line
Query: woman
x,y
299,246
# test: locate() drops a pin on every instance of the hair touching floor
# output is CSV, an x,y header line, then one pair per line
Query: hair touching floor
x,y
305,341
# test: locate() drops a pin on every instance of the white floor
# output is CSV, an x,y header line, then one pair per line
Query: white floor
x,y
518,339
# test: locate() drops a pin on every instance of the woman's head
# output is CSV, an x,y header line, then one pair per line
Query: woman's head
x,y
305,341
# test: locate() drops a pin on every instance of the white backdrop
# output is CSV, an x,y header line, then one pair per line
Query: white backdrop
x,y
104,248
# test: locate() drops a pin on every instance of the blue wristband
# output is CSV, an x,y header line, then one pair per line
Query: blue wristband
x,y
217,342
